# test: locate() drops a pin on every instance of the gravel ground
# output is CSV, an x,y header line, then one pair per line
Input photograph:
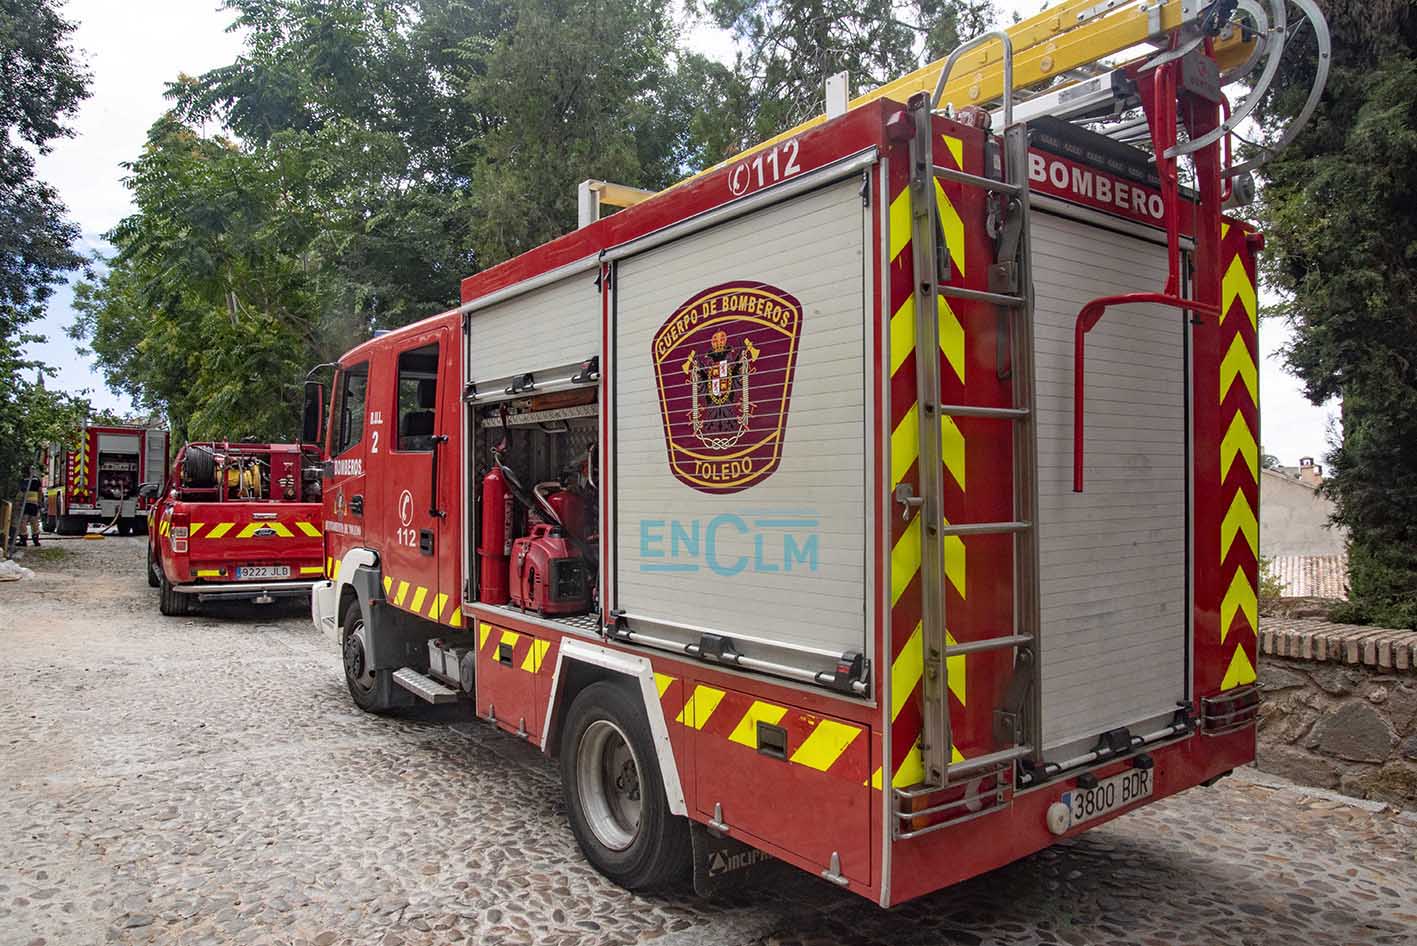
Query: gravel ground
x,y
206,781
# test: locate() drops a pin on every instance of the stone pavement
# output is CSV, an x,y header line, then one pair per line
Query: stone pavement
x,y
206,781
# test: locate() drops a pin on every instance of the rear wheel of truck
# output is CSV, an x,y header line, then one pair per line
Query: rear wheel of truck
x,y
365,686
154,570
171,602
614,794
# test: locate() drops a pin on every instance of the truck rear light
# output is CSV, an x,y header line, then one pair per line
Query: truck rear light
x,y
178,531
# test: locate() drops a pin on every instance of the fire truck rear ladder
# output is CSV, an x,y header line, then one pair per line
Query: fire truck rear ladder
x,y
1011,291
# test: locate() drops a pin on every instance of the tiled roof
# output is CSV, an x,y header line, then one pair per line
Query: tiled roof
x,y
1312,576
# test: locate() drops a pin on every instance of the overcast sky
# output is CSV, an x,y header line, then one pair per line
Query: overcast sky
x,y
134,48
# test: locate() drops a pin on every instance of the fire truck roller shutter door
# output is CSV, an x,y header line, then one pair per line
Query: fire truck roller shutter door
x,y
1114,558
740,402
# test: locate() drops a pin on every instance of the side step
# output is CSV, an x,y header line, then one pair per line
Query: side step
x,y
425,688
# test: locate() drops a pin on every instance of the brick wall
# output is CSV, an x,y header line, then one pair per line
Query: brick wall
x,y
1340,708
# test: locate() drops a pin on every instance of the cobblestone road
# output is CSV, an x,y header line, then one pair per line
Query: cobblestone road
x,y
206,781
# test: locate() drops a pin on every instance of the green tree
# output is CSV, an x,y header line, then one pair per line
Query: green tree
x,y
1339,212
42,85
790,49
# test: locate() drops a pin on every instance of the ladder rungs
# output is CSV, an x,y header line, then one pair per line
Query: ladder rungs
x,y
969,410
984,528
978,295
990,643
974,180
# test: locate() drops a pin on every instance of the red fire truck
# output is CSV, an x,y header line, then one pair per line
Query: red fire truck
x,y
236,521
97,480
883,501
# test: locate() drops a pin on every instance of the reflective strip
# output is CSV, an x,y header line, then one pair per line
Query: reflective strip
x,y
1240,672
388,583
483,630
309,529
220,529
746,732
662,682
535,655
700,707
1239,519
251,528
1238,441
1237,285
435,610
1239,598
456,619
162,529
419,595
825,744
1239,363
194,529
311,570
401,593
209,573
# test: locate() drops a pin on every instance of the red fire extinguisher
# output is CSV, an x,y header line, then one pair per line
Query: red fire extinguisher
x,y
496,549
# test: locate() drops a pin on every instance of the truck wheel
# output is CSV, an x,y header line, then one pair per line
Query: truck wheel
x,y
154,570
614,794
170,602
125,526
46,524
366,687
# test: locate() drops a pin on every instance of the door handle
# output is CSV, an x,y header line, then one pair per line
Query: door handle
x,y
356,505
433,510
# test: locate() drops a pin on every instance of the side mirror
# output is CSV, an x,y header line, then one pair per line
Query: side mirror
x,y
313,415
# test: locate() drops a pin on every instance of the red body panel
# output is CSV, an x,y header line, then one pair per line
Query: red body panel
x,y
80,481
828,790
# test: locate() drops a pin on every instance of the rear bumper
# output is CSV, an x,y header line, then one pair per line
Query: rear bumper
x,y
248,589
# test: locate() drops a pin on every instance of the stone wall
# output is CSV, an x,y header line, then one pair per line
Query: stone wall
x,y
1340,707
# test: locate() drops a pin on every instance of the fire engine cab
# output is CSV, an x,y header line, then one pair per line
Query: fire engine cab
x,y
883,500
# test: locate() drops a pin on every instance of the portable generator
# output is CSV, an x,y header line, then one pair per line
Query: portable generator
x,y
549,576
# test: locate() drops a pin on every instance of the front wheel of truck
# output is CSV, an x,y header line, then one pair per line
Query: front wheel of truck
x,y
154,569
614,793
366,687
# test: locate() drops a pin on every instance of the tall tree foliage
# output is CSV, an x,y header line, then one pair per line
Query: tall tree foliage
x,y
1339,212
790,49
41,84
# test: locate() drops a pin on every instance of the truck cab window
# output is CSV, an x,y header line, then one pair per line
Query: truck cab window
x,y
418,396
349,416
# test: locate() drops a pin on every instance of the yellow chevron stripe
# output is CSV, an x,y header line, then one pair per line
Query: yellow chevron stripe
x,y
954,669
956,146
194,528
1238,441
1239,518
338,563
251,528
951,336
420,594
456,619
905,559
1224,229
903,333
1240,597
509,638
954,562
535,655
329,567
825,744
388,583
435,610
401,593
905,443
900,223
1241,671
483,629
909,664
662,682
952,449
746,732
220,529
911,770
952,226
702,702
162,529
1236,284
310,529
1239,363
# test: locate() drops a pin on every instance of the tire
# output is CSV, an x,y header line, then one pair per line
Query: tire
x,y
46,524
170,602
365,688
199,468
140,525
614,793
125,526
154,570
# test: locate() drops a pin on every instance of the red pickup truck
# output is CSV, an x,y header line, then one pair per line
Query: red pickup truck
x,y
236,521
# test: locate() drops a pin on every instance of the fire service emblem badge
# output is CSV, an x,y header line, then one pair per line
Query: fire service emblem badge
x,y
723,362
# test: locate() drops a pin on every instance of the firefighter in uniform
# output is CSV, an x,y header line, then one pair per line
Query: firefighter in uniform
x,y
29,511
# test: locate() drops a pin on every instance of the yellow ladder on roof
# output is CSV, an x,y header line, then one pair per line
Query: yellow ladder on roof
x,y
1073,34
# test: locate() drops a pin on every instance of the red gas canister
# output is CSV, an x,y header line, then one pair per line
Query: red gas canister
x,y
496,548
